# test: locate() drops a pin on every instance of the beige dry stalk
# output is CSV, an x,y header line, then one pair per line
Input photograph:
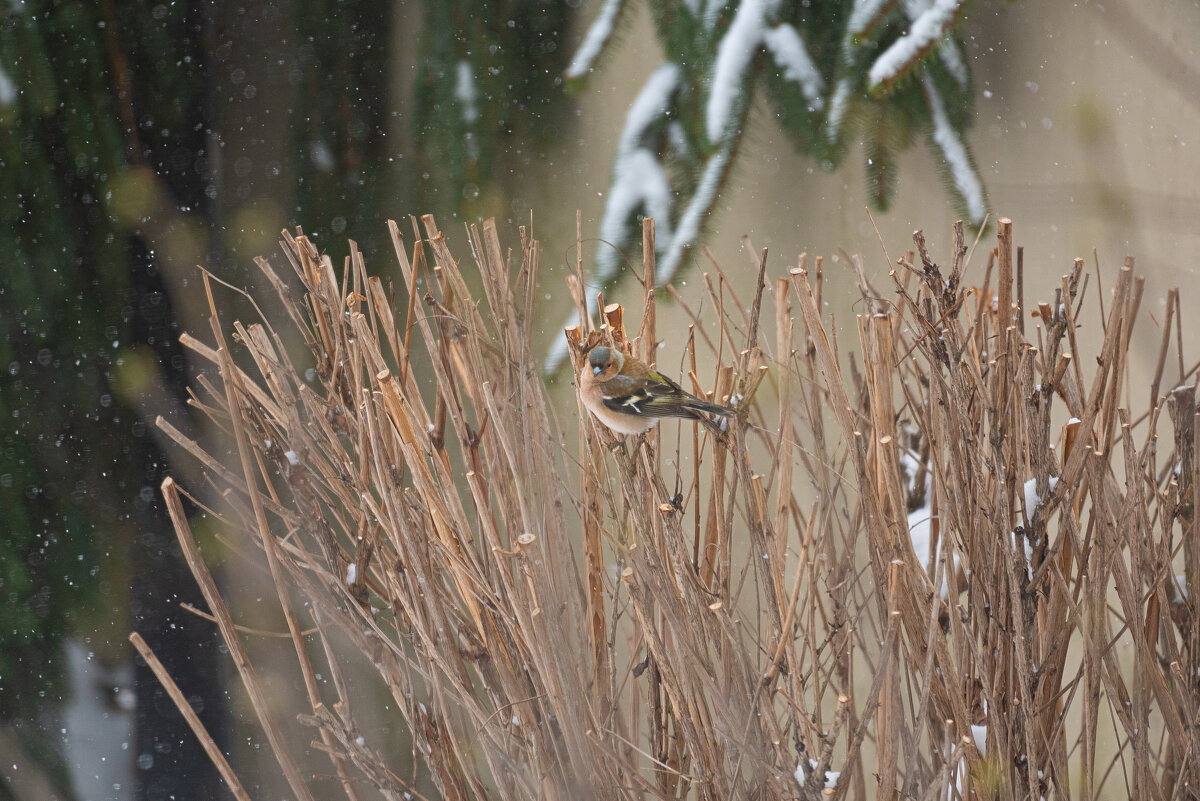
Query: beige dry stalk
x,y
973,594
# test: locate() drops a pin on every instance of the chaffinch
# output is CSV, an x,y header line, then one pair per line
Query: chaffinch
x,y
629,396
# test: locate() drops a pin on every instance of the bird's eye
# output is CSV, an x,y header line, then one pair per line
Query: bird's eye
x,y
597,370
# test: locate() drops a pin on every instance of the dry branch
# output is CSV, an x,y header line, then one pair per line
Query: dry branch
x,y
945,565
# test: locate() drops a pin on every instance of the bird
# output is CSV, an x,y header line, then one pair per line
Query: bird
x,y
629,396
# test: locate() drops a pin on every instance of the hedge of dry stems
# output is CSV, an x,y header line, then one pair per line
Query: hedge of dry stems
x,y
939,561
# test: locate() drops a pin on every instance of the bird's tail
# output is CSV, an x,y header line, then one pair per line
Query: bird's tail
x,y
712,408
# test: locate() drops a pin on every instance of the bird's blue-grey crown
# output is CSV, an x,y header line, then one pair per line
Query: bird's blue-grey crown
x,y
601,357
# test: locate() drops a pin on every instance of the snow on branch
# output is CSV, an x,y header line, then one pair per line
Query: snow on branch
x,y
639,181
838,107
748,32
652,103
734,54
712,12
966,181
595,39
952,57
787,48
865,14
925,32
697,209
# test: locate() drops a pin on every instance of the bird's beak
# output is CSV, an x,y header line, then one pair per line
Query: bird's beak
x,y
597,370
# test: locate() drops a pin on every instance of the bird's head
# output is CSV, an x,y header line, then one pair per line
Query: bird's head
x,y
605,362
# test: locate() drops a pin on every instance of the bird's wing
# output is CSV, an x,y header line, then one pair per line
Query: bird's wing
x,y
654,396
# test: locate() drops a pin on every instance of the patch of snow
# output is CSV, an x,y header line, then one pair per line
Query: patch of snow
x,y
920,529
1024,540
557,352
910,465
95,733
831,776
980,735
322,158
467,96
1032,500
920,525
466,93
677,139
8,89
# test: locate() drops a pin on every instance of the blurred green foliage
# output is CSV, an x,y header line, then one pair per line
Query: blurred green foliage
x,y
64,474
